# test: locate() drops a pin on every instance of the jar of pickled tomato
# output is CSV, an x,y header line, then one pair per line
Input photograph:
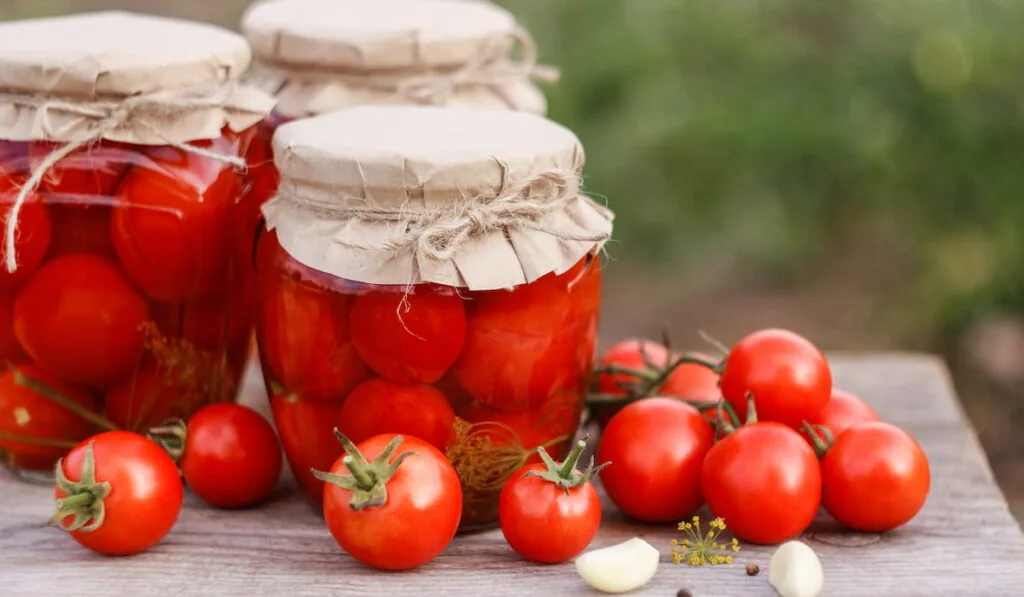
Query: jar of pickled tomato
x,y
126,265
432,272
320,56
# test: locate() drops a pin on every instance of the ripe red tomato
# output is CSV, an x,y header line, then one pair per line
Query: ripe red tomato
x,y
144,400
410,338
380,406
409,524
629,354
79,318
875,477
656,447
842,411
557,418
33,232
171,225
10,349
80,229
86,174
26,412
232,457
306,429
787,375
137,483
764,480
550,512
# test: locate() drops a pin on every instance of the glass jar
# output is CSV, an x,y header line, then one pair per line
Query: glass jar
x,y
126,300
474,356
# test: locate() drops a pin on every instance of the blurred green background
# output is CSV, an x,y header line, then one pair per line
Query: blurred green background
x,y
849,169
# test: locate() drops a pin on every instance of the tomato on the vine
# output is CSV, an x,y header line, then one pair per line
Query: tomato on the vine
x,y
393,511
656,447
550,512
171,224
118,493
875,477
38,418
764,479
79,318
410,338
231,457
842,411
631,353
306,429
380,406
788,377
33,235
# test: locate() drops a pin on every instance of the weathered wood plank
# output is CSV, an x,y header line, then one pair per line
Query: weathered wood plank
x,y
963,543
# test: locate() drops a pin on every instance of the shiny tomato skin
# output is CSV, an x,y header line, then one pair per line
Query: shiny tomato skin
x,y
764,480
412,338
34,233
789,377
842,411
232,458
628,353
306,429
79,318
655,447
545,523
146,492
875,477
10,349
171,224
26,413
380,406
692,381
419,519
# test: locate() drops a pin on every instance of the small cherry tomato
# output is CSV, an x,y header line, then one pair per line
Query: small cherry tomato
x,y
307,436
79,318
232,457
33,233
34,424
787,375
88,173
10,349
171,224
631,353
411,338
392,511
80,229
764,480
656,446
550,512
118,493
875,477
146,399
380,406
842,411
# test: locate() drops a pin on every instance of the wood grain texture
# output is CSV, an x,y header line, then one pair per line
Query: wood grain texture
x,y
964,542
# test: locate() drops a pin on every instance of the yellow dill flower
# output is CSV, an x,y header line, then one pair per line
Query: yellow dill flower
x,y
701,548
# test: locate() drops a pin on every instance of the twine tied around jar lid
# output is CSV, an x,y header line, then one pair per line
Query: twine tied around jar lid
x,y
104,117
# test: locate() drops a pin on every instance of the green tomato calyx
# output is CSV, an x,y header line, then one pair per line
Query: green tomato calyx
x,y
84,499
368,480
565,475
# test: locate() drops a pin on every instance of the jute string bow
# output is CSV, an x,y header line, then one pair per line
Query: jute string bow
x,y
490,67
438,234
104,117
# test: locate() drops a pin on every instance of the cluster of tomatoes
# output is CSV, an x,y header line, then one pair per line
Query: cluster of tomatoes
x,y
762,437
131,286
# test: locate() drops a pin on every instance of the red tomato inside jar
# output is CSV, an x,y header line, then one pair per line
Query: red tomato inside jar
x,y
125,296
474,357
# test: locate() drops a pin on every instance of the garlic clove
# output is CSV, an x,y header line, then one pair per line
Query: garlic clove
x,y
795,570
619,568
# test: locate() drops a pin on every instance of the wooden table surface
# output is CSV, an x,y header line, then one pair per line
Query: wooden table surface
x,y
964,542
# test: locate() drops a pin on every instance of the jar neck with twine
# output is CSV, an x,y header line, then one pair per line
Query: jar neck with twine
x,y
493,66
102,118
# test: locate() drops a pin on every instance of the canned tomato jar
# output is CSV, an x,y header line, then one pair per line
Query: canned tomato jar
x,y
433,272
127,225
320,56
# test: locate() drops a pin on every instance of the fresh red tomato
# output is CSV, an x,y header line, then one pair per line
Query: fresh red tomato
x,y
34,426
875,477
409,338
146,399
380,406
118,493
656,447
550,512
307,435
10,349
396,505
232,457
787,375
79,318
86,174
80,229
764,480
34,232
631,353
842,411
557,419
171,225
